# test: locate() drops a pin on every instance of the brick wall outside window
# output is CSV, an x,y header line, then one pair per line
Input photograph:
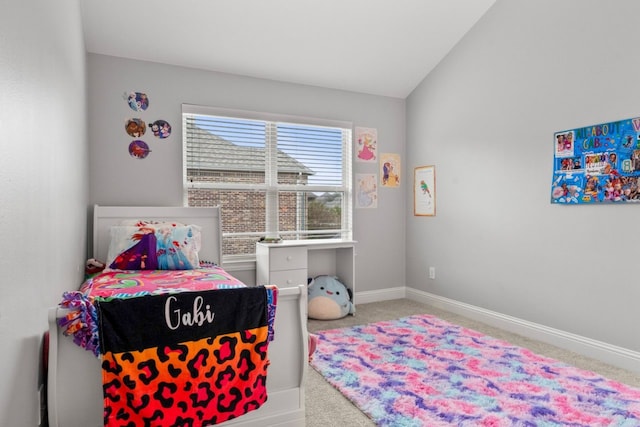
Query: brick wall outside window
x,y
244,211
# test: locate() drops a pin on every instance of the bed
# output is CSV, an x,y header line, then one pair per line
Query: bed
x,y
74,377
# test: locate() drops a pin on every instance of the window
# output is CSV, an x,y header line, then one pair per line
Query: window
x,y
272,175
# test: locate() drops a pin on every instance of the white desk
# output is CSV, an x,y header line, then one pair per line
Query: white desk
x,y
292,262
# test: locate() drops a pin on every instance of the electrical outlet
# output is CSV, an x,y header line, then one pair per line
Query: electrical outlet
x,y
432,272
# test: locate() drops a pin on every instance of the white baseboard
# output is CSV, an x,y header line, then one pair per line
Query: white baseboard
x,y
608,353
381,295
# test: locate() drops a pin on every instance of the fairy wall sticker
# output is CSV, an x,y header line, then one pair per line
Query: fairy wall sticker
x,y
390,170
366,143
597,164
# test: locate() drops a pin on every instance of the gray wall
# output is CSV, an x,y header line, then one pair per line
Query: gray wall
x,y
43,185
117,178
486,117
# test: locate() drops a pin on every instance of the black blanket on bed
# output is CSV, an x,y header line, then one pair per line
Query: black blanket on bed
x,y
191,358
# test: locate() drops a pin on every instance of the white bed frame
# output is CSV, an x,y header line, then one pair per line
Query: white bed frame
x,y
74,396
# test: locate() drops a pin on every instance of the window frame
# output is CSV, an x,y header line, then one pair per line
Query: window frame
x,y
270,187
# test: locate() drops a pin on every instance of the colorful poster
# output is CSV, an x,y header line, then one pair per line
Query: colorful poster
x,y
597,164
390,170
366,144
366,190
424,191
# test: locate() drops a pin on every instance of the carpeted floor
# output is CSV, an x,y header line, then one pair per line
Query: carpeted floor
x,y
325,406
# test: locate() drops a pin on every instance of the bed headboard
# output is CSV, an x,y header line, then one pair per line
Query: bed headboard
x,y
207,218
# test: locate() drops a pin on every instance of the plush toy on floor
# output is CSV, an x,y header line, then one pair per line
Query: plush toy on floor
x,y
328,299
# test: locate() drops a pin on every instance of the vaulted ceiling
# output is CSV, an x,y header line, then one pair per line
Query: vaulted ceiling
x,y
380,47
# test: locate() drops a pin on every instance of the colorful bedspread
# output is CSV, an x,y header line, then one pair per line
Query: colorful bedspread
x,y
198,355
81,322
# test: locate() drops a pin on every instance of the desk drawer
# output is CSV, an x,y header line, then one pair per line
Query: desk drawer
x,y
289,278
288,258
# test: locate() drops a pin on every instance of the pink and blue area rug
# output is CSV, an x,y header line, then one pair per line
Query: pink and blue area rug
x,y
423,371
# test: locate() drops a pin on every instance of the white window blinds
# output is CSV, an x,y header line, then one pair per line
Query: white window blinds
x,y
293,174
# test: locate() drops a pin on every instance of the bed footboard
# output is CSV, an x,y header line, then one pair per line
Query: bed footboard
x,y
75,385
